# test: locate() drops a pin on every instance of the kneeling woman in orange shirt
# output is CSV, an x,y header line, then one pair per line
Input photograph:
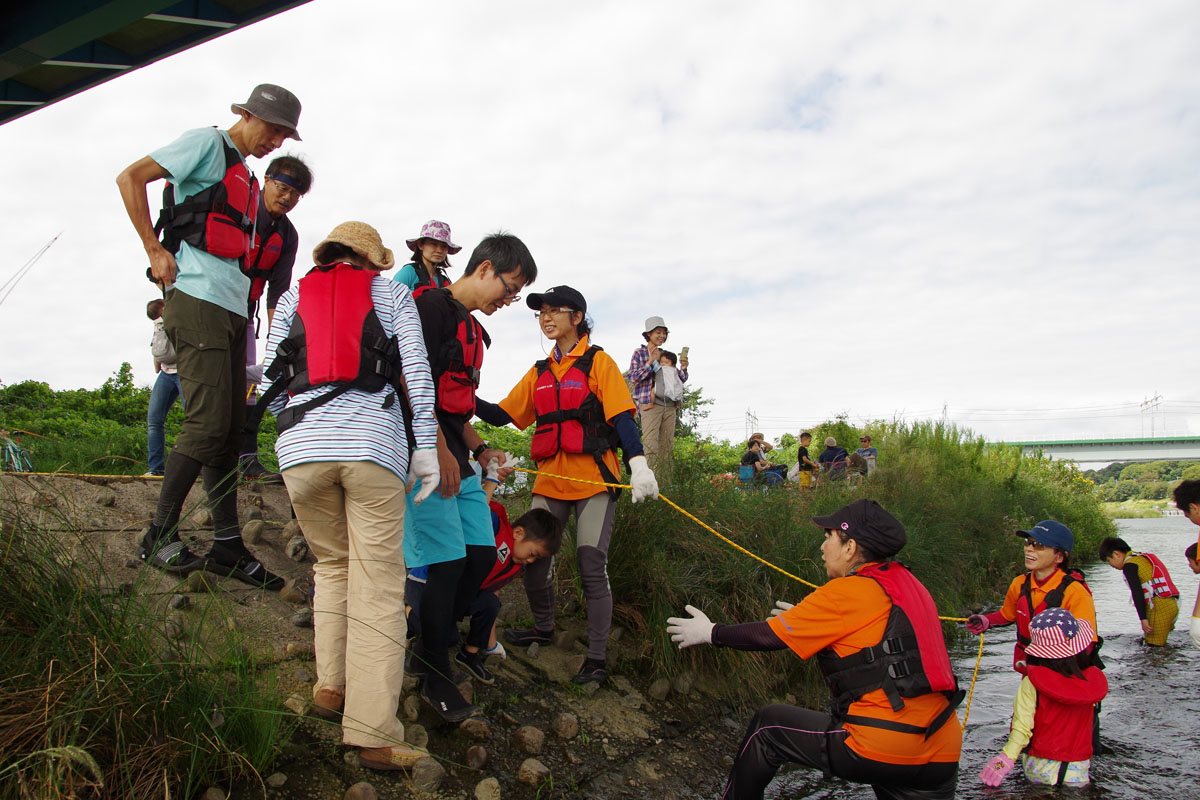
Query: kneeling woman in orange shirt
x,y
872,621
583,411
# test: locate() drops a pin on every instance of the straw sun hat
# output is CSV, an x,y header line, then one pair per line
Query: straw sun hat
x,y
362,239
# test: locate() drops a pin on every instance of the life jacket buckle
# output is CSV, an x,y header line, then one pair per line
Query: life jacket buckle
x,y
892,646
898,670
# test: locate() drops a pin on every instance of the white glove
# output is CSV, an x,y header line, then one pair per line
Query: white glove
x,y
687,631
641,477
780,607
424,465
493,466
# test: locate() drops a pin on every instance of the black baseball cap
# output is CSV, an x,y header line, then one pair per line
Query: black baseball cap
x,y
869,524
557,296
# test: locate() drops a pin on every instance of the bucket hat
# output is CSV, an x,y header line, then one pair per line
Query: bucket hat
x,y
655,322
870,525
362,239
557,296
437,230
273,104
1055,633
1051,533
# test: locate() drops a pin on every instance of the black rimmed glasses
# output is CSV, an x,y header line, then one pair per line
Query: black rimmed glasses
x,y
510,294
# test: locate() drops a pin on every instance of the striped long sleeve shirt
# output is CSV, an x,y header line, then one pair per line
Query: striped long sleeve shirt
x,y
357,426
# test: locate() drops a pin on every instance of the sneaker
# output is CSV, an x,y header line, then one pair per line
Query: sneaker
x,y
250,469
447,701
173,557
496,650
591,672
396,757
153,474
245,569
523,637
474,664
328,703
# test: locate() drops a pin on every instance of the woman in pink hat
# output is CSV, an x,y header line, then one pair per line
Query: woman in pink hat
x,y
428,267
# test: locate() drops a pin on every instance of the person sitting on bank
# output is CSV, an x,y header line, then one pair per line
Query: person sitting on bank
x,y
867,452
1155,597
833,460
900,735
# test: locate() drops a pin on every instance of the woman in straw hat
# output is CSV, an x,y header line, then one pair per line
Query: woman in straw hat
x,y
344,453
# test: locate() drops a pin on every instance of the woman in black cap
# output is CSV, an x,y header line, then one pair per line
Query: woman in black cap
x,y
583,411
872,621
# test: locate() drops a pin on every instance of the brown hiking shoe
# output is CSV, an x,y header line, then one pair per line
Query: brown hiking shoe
x,y
328,703
396,757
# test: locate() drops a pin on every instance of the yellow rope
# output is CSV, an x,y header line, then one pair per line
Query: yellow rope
x,y
759,559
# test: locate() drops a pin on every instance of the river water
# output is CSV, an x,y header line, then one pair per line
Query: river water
x,y
1150,720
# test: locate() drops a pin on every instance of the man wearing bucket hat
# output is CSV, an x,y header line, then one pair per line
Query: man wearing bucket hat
x,y
428,267
1049,583
657,411
207,226
1053,710
874,630
344,450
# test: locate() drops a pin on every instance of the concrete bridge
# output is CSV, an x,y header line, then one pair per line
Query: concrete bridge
x,y
1161,448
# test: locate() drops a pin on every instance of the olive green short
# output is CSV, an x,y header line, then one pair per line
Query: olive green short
x,y
210,343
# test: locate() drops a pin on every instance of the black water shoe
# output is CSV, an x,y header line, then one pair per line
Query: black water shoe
x,y
446,700
523,637
591,672
244,568
474,664
170,556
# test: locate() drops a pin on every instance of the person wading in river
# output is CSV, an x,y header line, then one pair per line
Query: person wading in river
x,y
1155,597
900,735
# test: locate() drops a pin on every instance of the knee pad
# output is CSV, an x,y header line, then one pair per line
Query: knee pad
x,y
593,571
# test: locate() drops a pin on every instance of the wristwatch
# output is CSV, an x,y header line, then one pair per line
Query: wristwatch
x,y
478,451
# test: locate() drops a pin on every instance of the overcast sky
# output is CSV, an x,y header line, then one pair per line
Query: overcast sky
x,y
877,209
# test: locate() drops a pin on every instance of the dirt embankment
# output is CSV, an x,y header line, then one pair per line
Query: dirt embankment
x,y
635,737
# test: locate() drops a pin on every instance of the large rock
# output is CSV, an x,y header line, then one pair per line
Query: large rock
x,y
416,735
529,739
487,789
297,548
427,775
293,592
297,705
252,531
683,683
276,780
475,728
411,708
533,772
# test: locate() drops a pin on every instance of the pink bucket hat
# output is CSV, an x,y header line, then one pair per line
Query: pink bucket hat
x,y
1056,633
434,229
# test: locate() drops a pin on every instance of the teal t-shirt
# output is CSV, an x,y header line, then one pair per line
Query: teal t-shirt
x,y
407,275
195,161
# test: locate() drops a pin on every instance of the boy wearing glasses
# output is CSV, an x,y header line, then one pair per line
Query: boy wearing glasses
x,y
269,267
451,532
1049,583
207,228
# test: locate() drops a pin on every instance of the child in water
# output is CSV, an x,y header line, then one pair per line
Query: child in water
x,y
1052,713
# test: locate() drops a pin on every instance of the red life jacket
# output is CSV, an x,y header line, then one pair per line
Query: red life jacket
x,y
261,259
425,283
1160,583
569,416
1026,612
910,660
504,569
219,219
1062,721
457,362
335,338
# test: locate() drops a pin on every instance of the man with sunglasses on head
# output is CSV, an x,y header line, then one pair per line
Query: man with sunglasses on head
x,y
269,268
451,531
207,227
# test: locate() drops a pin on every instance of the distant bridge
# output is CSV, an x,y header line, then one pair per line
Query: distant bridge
x,y
1162,448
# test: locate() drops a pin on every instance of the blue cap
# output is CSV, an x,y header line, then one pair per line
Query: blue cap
x,y
1051,533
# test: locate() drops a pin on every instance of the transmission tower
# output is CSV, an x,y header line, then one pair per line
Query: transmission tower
x,y
1151,406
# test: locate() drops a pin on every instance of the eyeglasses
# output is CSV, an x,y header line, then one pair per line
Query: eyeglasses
x,y
545,312
1035,545
510,294
286,191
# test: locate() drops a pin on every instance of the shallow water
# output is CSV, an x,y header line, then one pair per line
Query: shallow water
x,y
1150,719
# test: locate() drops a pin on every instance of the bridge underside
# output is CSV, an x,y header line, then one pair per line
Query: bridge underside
x,y
52,49
1100,451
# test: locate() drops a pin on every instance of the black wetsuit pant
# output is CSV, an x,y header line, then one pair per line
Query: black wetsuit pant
x,y
782,733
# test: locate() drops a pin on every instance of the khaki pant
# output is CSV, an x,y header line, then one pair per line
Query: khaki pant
x,y
210,343
352,514
658,433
